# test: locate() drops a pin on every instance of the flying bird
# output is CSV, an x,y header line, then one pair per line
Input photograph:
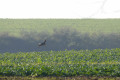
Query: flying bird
x,y
42,44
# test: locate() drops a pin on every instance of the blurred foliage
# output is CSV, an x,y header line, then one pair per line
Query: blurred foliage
x,y
61,39
25,34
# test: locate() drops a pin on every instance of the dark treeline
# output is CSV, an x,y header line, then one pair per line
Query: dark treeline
x,y
61,39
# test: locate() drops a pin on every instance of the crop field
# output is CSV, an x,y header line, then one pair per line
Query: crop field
x,y
89,60
66,63
16,27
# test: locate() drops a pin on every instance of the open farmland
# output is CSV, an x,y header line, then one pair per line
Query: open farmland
x,y
77,49
95,62
16,27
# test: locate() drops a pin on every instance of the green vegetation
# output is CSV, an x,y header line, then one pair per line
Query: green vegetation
x,y
95,62
17,26
61,34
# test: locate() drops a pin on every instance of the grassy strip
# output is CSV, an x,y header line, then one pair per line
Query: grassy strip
x,y
17,26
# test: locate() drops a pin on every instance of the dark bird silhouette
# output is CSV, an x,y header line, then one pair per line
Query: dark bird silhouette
x,y
42,44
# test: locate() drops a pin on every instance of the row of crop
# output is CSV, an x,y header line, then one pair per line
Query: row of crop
x,y
96,62
72,56
62,70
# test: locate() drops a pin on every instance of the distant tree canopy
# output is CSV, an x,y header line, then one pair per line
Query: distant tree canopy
x,y
61,39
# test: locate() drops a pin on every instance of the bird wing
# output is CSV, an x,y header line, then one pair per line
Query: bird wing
x,y
44,41
39,44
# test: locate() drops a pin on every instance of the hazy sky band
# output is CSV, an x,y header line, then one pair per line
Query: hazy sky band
x,y
59,9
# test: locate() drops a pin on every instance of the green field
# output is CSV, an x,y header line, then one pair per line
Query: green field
x,y
66,34
95,62
17,26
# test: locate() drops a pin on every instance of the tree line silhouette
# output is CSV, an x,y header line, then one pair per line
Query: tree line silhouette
x,y
60,39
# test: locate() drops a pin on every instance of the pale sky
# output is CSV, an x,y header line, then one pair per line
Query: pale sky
x,y
59,8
